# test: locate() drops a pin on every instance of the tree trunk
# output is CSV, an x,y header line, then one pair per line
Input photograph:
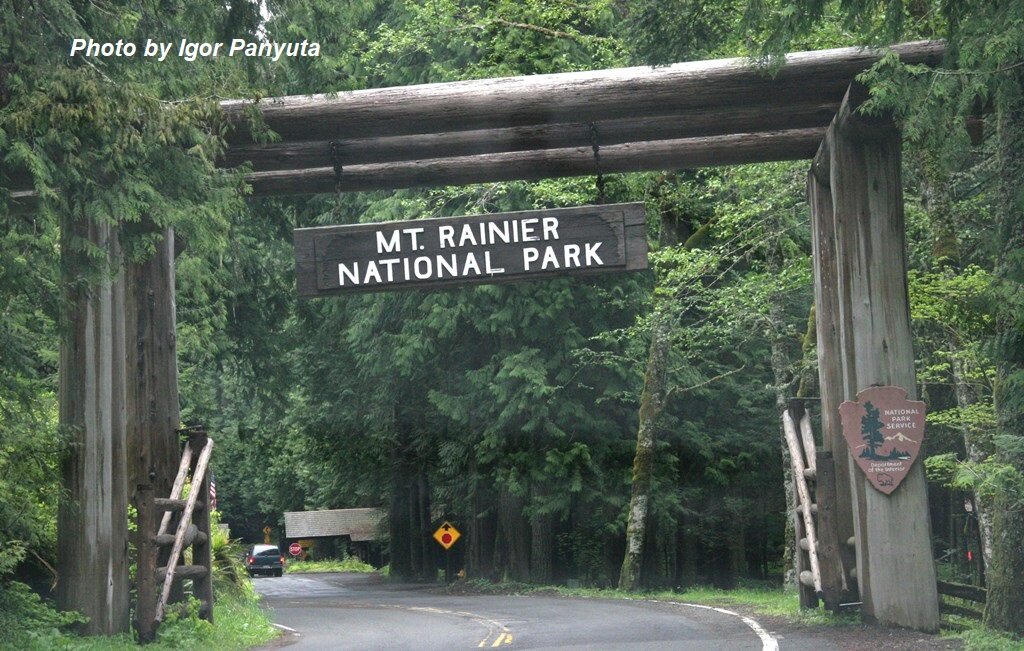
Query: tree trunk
x,y
513,545
480,528
652,402
399,534
542,541
92,519
1005,606
428,547
965,397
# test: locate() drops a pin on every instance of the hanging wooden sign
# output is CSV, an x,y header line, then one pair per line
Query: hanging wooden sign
x,y
884,431
503,247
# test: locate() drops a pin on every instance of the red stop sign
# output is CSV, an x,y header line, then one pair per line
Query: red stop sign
x,y
295,549
446,538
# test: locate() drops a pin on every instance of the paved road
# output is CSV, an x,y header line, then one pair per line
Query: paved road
x,y
353,611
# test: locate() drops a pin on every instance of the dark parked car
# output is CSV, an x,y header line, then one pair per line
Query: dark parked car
x,y
264,559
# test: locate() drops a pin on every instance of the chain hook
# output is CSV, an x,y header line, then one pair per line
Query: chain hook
x,y
594,144
336,163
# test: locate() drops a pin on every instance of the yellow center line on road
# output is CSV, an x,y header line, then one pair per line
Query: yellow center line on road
x,y
505,635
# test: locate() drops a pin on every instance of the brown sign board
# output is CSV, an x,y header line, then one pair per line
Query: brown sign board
x,y
477,249
884,431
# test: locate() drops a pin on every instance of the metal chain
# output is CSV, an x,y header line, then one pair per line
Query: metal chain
x,y
594,135
336,163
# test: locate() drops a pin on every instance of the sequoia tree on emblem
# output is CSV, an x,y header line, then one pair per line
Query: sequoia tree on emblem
x,y
884,431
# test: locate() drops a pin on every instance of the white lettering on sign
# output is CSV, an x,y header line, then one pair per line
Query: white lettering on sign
x,y
475,249
436,267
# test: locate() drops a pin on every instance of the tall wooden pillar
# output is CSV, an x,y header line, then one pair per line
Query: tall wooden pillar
x,y
154,448
92,535
830,364
153,416
895,568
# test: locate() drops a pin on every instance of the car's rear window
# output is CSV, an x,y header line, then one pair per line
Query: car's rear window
x,y
268,551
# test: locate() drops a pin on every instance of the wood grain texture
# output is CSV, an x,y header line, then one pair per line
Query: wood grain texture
x,y
619,228
202,549
153,413
792,144
145,555
564,97
894,556
796,453
179,542
833,579
697,123
92,517
830,365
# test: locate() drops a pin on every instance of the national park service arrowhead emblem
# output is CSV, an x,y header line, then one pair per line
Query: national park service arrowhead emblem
x,y
884,431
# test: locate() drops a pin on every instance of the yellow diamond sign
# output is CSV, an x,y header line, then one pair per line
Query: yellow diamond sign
x,y
446,535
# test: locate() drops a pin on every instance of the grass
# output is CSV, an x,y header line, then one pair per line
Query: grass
x,y
350,564
773,602
766,601
240,623
984,639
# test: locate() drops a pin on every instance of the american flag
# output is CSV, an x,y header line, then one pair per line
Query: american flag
x,y
213,491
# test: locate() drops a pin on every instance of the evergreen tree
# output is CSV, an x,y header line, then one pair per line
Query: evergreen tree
x,y
871,431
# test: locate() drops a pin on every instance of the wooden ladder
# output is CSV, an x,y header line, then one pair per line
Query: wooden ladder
x,y
159,551
818,564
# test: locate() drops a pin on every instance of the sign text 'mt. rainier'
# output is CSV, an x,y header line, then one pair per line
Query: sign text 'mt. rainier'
x,y
465,250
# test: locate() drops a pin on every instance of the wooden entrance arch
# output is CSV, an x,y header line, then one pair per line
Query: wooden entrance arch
x,y
707,113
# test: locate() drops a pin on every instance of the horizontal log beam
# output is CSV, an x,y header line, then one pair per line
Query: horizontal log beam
x,y
699,123
552,163
736,149
564,97
963,591
362,151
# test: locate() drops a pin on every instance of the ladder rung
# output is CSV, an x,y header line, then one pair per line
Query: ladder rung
x,y
800,509
167,504
167,539
182,572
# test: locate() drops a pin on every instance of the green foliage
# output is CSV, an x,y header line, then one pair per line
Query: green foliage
x,y
347,564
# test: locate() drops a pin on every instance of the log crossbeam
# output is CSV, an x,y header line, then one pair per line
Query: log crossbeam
x,y
696,114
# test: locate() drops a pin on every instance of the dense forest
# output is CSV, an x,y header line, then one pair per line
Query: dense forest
x,y
513,410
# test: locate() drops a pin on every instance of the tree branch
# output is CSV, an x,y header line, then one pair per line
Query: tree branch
x,y
669,393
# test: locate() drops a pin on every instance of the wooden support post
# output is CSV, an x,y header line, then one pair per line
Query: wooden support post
x,y
202,548
145,567
804,496
808,596
92,557
152,389
895,568
833,581
153,415
830,360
